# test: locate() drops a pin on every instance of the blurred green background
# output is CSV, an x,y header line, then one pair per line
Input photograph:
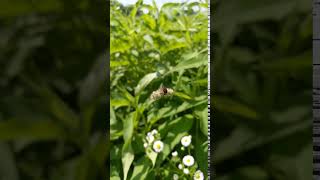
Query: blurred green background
x,y
54,104
262,89
53,118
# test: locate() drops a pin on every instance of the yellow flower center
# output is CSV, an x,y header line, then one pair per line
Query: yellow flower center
x,y
198,175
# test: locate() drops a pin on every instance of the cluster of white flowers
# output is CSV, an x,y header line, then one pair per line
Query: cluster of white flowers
x,y
187,166
153,140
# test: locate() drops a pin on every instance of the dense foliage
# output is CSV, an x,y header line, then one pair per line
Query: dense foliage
x,y
152,47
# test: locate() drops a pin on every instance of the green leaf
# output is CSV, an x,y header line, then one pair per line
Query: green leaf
x,y
149,21
19,8
34,130
290,64
228,105
117,45
116,103
114,64
170,111
172,46
145,81
127,158
141,169
201,154
127,95
182,95
173,132
203,120
152,156
127,150
115,126
114,175
194,62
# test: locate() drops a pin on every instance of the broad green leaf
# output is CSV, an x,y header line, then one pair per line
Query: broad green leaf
x,y
228,105
201,154
115,126
173,132
141,169
146,80
127,151
116,103
152,156
127,95
127,157
172,46
195,62
149,21
19,8
34,130
135,9
203,120
116,45
182,95
114,64
128,126
290,64
170,111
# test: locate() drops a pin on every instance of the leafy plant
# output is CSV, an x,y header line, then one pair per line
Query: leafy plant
x,y
153,47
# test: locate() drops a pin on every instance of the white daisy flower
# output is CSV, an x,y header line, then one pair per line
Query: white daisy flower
x,y
145,11
150,139
186,171
198,175
158,146
180,166
145,145
154,132
188,160
174,154
175,177
186,140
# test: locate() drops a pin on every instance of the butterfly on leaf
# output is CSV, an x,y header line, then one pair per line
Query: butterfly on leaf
x,y
161,92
